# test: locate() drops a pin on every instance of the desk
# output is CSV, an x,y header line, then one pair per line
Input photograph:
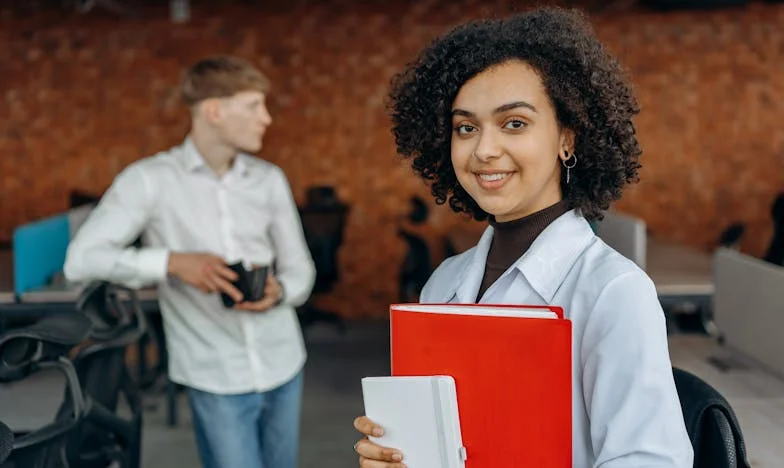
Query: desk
x,y
57,294
48,299
678,271
53,294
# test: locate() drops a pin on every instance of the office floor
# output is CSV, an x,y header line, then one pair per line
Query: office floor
x,y
333,398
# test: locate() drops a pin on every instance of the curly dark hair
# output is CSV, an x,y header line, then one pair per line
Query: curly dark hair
x,y
586,85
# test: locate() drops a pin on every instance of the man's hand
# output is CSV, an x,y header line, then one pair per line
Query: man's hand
x,y
272,294
204,271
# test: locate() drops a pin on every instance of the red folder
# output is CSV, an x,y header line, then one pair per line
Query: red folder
x,y
513,377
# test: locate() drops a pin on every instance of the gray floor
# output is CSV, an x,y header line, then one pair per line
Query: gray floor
x,y
756,396
333,398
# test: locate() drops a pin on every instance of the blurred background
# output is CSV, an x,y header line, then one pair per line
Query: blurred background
x,y
89,86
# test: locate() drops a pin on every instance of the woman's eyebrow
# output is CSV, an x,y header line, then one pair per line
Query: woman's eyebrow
x,y
498,110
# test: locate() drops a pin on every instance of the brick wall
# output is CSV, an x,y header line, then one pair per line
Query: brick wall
x,y
83,96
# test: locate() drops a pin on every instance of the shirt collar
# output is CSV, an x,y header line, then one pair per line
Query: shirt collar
x,y
193,161
554,253
545,264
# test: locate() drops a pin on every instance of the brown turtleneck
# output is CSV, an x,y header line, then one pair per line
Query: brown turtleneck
x,y
511,239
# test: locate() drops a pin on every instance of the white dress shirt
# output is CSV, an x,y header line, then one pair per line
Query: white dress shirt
x,y
179,204
625,408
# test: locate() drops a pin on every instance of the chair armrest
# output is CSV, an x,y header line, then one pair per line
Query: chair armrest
x,y
23,349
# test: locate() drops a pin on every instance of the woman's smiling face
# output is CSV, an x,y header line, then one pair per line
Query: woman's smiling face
x,y
507,144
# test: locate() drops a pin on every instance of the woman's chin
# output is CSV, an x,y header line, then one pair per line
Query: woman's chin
x,y
502,213
494,210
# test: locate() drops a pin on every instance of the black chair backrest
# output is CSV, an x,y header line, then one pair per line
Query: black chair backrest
x,y
731,236
323,222
321,195
711,423
775,253
78,198
101,376
118,322
419,211
416,268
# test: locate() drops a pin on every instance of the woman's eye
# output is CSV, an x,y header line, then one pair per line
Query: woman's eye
x,y
464,129
515,124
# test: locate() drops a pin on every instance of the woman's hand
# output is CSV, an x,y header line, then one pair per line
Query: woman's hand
x,y
372,455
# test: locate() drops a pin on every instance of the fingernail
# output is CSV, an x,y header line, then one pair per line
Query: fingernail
x,y
397,456
378,432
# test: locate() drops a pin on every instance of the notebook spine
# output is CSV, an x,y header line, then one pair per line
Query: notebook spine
x,y
441,420
450,422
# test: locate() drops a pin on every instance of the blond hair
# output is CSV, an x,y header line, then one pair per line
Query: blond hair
x,y
221,76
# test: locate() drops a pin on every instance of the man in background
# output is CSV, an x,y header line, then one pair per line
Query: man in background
x,y
199,207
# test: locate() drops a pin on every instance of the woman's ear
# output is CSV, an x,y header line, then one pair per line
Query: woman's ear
x,y
567,143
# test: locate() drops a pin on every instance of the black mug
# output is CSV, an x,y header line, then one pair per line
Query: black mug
x,y
251,283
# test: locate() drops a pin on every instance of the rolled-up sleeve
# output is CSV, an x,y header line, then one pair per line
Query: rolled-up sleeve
x,y
295,269
100,251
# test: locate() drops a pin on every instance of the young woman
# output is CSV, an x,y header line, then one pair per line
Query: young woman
x,y
527,122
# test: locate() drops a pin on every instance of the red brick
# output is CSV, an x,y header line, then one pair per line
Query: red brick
x,y
86,95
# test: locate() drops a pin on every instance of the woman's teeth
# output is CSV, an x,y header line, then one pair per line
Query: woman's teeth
x,y
491,177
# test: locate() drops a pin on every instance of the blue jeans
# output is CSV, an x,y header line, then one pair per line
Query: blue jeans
x,y
250,430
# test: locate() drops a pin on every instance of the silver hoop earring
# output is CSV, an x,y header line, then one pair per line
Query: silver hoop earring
x,y
569,168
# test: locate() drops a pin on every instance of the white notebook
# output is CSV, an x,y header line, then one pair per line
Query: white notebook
x,y
420,418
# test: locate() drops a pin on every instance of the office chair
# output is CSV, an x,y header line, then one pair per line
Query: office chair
x,y
775,253
155,335
323,221
711,423
77,198
105,438
416,267
27,350
730,237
